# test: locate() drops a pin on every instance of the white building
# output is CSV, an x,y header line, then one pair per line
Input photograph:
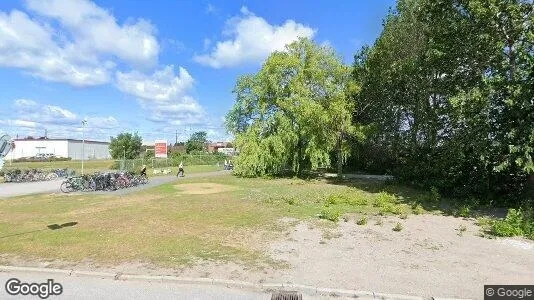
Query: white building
x,y
60,148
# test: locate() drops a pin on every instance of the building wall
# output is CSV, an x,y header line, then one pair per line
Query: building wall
x,y
60,148
91,150
33,147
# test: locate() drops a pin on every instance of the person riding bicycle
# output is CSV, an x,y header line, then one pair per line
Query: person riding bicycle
x,y
180,169
143,171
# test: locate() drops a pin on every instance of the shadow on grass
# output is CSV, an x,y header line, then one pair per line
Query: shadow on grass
x,y
48,227
426,199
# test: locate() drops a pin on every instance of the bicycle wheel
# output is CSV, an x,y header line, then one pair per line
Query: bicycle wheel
x,y
66,187
51,176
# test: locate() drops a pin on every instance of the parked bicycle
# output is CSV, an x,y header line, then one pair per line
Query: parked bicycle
x,y
29,175
103,182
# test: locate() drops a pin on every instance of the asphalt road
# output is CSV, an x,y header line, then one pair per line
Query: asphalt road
x,y
105,288
28,188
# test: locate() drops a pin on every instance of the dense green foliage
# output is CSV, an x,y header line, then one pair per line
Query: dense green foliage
x,y
197,142
125,145
444,99
293,113
517,222
447,92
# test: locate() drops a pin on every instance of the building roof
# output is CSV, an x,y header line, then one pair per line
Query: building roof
x,y
68,140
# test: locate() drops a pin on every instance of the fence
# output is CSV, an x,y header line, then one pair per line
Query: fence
x,y
187,159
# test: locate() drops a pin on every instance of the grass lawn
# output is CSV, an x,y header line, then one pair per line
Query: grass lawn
x,y
220,218
91,166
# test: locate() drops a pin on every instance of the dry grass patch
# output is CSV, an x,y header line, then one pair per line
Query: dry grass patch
x,y
204,188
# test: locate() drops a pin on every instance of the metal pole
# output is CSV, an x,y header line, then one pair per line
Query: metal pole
x,y
83,141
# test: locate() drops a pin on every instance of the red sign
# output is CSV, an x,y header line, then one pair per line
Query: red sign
x,y
160,148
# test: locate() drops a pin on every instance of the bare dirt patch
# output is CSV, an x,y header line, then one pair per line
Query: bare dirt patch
x,y
203,188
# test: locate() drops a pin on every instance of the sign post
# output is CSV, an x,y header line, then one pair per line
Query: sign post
x,y
160,148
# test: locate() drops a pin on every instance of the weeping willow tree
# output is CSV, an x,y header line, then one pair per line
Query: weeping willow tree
x,y
294,113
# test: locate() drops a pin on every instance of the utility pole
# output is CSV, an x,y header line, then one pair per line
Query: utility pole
x,y
84,122
176,138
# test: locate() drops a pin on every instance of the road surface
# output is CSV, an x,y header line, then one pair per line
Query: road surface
x,y
28,188
106,288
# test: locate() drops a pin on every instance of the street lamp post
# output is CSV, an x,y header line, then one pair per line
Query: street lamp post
x,y
84,122
123,157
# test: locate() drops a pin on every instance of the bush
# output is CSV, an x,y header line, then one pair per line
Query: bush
x,y
513,225
389,208
30,159
362,221
330,214
383,199
398,227
464,211
418,210
345,198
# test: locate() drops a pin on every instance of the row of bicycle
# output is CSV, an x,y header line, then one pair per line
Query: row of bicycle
x,y
29,175
110,181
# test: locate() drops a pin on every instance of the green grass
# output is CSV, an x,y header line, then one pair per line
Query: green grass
x,y
178,223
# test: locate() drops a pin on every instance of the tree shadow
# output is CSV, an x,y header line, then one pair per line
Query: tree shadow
x,y
415,196
48,227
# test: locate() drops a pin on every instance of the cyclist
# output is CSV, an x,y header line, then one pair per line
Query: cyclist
x,y
180,169
143,171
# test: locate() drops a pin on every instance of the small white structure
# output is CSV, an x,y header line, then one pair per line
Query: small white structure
x,y
227,151
59,148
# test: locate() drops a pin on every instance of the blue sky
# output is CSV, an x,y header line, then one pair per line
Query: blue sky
x,y
155,67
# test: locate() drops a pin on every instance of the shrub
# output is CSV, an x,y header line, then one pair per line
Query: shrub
x,y
389,208
383,199
398,227
435,197
418,210
330,214
362,221
512,225
291,200
464,211
461,229
334,199
2,173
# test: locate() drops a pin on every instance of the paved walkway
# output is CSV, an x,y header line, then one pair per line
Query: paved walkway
x,y
12,189
28,188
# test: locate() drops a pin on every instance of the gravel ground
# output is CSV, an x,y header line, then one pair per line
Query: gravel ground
x,y
427,258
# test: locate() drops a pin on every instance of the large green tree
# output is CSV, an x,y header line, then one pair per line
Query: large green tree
x,y
125,145
293,113
197,142
449,87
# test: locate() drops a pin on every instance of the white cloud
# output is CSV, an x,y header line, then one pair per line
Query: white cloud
x,y
163,85
96,29
164,95
211,9
78,46
28,45
252,39
31,118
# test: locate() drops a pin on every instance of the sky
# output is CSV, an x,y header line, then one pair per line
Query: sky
x,y
164,69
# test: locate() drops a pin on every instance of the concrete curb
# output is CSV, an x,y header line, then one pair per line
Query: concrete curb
x,y
263,287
